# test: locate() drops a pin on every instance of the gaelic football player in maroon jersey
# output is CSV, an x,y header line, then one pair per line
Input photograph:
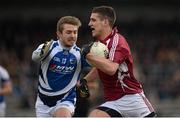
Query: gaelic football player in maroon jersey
x,y
123,93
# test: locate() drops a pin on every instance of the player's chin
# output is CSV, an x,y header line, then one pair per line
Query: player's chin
x,y
93,34
70,44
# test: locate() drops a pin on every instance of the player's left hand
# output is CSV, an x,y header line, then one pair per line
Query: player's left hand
x,y
83,89
86,49
45,48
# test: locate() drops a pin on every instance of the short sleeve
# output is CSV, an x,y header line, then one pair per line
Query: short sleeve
x,y
120,55
4,75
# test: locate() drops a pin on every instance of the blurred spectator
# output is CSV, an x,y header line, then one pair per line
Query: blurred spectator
x,y
5,88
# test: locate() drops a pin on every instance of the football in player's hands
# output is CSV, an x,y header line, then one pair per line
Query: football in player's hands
x,y
99,49
96,48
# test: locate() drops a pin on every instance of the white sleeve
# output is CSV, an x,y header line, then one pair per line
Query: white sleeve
x,y
4,73
36,54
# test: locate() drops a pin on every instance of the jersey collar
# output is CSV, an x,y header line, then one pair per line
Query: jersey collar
x,y
66,48
114,31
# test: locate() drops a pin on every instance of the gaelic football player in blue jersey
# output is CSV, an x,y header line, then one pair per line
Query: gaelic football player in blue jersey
x,y
60,65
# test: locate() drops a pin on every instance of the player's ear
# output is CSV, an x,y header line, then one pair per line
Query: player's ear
x,y
58,33
106,21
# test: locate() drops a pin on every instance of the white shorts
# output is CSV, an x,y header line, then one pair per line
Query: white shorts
x,y
43,111
2,109
135,105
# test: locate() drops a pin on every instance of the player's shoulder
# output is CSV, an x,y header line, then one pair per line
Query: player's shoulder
x,y
55,43
121,37
121,43
3,72
76,48
122,40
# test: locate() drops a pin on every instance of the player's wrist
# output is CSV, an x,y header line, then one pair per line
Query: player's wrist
x,y
83,88
89,55
86,49
83,81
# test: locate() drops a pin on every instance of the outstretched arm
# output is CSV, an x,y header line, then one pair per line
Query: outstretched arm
x,y
92,75
41,51
83,85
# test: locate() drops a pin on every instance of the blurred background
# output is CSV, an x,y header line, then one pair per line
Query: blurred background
x,y
151,27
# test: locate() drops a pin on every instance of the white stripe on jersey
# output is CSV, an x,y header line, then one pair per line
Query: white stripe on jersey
x,y
114,45
44,67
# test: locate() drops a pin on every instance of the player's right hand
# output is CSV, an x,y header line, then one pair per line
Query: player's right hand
x,y
45,48
83,89
86,49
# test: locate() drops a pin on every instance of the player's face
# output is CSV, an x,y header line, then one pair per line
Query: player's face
x,y
96,24
69,34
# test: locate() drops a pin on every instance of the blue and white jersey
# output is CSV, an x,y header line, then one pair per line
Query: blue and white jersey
x,y
59,69
4,77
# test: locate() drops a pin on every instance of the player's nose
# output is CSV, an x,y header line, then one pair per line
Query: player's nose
x,y
89,24
73,35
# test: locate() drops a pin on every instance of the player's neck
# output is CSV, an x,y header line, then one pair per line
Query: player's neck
x,y
63,45
107,31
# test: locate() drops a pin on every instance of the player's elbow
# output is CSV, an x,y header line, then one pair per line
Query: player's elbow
x,y
111,71
9,89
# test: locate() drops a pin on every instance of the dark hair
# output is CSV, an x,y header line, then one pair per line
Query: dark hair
x,y
67,20
106,12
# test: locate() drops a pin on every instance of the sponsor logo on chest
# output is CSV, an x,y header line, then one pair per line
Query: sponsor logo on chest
x,y
63,65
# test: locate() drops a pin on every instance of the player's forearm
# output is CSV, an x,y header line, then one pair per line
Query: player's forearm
x,y
93,74
103,64
6,89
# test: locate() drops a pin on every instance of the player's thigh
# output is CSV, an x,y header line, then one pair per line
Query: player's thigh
x,y
42,110
62,112
98,113
63,109
2,109
40,114
2,112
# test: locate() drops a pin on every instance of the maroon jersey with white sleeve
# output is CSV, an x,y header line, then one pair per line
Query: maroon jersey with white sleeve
x,y
123,81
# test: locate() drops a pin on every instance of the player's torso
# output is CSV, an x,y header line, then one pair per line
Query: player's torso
x,y
60,70
123,81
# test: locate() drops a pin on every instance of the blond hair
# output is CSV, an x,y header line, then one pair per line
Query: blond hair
x,y
67,20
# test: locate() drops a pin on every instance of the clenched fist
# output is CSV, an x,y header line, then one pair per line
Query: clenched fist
x,y
45,48
86,49
83,89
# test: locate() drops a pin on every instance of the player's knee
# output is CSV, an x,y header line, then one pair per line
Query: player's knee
x,y
98,113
